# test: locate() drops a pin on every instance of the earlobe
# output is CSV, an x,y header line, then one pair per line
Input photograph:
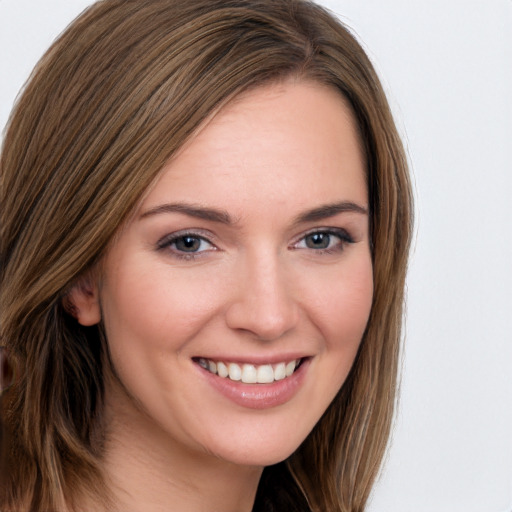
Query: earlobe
x,y
82,302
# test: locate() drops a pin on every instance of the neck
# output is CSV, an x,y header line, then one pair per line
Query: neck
x,y
148,471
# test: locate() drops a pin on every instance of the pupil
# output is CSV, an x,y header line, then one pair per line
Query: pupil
x,y
188,244
318,241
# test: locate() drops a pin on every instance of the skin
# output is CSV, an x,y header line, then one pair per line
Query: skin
x,y
259,288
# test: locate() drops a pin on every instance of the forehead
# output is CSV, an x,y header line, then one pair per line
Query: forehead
x,y
283,139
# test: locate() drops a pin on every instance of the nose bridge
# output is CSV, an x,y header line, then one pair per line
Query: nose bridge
x,y
263,302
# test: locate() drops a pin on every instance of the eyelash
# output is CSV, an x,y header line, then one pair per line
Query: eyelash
x,y
168,241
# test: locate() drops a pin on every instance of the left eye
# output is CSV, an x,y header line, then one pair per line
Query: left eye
x,y
323,240
318,241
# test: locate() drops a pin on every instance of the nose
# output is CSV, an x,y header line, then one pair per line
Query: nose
x,y
262,302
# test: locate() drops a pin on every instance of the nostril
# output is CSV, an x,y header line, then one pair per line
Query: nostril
x,y
261,323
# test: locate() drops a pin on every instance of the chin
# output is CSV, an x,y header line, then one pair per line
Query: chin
x,y
260,448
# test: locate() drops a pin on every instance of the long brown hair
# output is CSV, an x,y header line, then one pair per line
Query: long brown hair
x,y
111,101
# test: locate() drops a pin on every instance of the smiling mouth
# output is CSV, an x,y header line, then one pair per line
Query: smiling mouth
x,y
250,373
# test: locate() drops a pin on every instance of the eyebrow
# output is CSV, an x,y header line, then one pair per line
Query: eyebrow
x,y
330,210
212,214
192,210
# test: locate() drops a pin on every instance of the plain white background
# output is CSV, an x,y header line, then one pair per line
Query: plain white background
x,y
447,68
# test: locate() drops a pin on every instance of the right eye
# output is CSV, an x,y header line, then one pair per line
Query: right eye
x,y
189,243
186,246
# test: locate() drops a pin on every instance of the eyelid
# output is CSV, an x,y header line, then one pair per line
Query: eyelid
x,y
343,233
199,233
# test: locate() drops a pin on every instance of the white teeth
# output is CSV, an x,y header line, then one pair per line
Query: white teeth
x,y
290,368
250,373
279,371
265,374
235,372
222,370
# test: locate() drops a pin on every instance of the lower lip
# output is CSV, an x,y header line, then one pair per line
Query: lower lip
x,y
258,396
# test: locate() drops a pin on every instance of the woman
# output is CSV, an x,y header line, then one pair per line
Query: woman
x,y
205,223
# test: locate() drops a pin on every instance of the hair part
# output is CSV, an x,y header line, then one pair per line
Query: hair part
x,y
120,91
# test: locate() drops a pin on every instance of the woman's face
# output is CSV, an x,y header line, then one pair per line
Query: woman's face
x,y
250,256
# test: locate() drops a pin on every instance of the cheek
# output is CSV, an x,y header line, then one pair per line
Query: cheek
x,y
344,304
342,314
156,309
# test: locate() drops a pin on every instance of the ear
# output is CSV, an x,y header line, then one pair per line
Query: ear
x,y
82,301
